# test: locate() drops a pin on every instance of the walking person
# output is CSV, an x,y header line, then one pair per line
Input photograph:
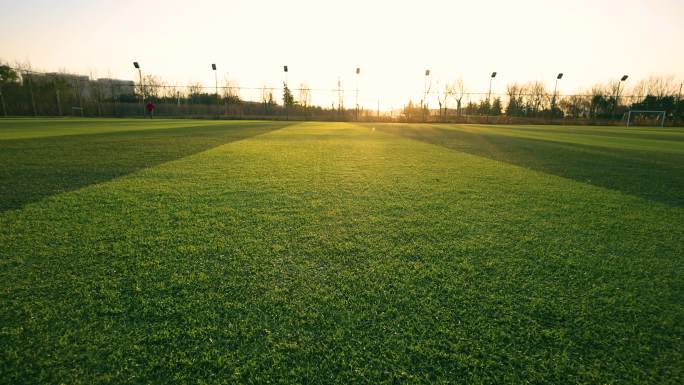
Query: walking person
x,y
150,108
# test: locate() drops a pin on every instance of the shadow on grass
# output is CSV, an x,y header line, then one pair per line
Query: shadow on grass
x,y
32,169
656,176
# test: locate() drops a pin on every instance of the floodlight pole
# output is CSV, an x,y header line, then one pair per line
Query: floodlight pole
x,y
142,87
339,97
213,67
489,95
424,104
617,95
287,108
358,71
218,100
553,100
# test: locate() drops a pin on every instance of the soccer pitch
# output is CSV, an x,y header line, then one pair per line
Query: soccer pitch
x,y
176,251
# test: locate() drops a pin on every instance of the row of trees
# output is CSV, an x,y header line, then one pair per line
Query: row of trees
x,y
28,91
25,92
532,99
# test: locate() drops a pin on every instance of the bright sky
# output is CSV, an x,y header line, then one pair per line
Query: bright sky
x,y
392,41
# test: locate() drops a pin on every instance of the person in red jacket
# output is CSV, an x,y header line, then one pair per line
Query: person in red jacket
x,y
150,108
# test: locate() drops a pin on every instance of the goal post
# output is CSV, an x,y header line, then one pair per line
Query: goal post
x,y
648,116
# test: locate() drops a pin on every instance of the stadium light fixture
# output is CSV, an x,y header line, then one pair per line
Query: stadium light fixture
x,y
622,80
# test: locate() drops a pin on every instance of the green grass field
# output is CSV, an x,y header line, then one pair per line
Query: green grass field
x,y
183,251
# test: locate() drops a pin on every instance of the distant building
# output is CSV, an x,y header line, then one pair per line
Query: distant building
x,y
113,88
108,88
80,83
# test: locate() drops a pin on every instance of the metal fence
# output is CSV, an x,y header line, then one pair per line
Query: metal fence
x,y
56,94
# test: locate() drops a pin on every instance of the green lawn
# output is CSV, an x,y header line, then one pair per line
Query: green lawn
x,y
185,251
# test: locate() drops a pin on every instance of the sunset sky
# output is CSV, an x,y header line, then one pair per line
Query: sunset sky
x,y
392,41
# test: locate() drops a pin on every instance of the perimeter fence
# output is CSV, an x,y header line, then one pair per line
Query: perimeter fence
x,y
31,93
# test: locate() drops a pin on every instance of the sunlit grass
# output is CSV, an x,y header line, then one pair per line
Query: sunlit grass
x,y
337,253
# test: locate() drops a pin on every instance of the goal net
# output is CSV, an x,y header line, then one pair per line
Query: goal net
x,y
645,118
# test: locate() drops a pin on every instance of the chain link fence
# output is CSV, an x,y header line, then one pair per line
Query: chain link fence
x,y
56,94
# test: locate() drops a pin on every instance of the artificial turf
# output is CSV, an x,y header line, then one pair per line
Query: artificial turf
x,y
163,251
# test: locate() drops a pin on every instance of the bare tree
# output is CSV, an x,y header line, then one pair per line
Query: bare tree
x,y
170,92
265,92
267,98
575,106
231,90
7,76
194,89
515,102
458,91
98,92
538,96
443,98
151,86
304,97
658,86
601,100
